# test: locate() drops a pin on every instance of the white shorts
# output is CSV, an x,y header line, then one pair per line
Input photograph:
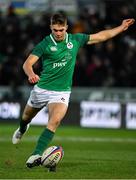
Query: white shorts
x,y
42,97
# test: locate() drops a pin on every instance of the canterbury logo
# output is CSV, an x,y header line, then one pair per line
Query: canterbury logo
x,y
62,99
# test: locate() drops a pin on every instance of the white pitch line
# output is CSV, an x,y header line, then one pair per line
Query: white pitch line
x,y
96,139
75,139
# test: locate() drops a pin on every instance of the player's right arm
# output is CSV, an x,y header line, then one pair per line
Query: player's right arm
x,y
28,68
110,33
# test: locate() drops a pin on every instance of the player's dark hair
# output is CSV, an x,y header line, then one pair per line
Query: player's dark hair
x,y
59,18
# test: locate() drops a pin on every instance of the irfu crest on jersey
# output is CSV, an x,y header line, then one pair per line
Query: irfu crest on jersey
x,y
69,45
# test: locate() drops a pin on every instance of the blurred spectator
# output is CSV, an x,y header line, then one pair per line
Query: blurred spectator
x,y
111,63
96,71
80,77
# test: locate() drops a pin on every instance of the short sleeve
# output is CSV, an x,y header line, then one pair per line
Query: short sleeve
x,y
38,50
82,38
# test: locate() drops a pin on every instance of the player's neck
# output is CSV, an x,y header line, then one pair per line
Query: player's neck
x,y
55,41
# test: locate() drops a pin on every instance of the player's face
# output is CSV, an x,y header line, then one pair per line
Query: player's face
x,y
59,31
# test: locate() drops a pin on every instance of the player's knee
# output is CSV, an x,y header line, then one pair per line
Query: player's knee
x,y
26,117
55,123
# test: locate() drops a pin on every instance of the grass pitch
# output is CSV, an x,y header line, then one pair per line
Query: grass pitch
x,y
89,154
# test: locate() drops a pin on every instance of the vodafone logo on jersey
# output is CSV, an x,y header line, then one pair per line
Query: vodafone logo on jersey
x,y
69,45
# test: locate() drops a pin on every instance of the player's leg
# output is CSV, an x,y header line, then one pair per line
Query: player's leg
x,y
56,113
28,114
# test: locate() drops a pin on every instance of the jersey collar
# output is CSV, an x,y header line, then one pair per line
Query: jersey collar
x,y
52,38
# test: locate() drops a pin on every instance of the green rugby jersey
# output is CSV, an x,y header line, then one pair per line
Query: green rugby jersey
x,y
58,60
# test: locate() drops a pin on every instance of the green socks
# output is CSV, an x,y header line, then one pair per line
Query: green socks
x,y
23,126
43,141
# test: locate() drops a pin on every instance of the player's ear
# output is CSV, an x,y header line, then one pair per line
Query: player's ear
x,y
66,27
50,26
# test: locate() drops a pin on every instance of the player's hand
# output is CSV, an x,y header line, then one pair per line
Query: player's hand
x,y
33,78
126,23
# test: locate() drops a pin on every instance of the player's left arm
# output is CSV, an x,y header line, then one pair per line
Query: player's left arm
x,y
110,33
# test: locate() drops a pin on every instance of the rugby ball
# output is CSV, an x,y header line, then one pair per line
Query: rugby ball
x,y
51,156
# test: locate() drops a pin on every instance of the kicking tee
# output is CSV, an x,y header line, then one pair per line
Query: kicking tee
x,y
58,60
